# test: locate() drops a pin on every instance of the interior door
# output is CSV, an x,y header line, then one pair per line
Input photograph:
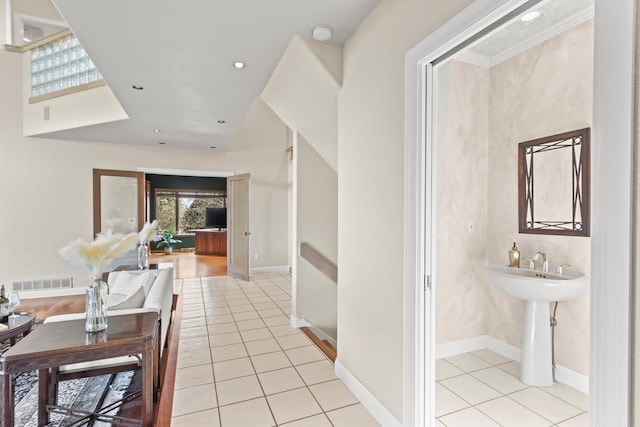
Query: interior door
x,y
118,201
238,189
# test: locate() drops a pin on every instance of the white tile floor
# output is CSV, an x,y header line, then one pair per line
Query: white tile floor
x,y
482,388
240,364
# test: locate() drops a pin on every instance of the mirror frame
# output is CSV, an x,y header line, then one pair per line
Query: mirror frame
x,y
581,181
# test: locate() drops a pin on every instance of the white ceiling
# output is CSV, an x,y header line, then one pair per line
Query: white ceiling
x,y
514,37
182,54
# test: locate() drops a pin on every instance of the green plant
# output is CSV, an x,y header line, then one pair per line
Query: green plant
x,y
166,238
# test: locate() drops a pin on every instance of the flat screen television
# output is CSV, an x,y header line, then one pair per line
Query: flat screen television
x,y
216,218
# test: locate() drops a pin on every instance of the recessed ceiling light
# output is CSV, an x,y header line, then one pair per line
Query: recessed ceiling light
x,y
136,87
239,65
162,143
157,130
530,17
321,33
222,122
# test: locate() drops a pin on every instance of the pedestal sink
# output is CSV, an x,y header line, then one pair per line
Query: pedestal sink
x,y
538,289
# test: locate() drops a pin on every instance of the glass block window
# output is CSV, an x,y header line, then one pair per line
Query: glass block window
x,y
59,65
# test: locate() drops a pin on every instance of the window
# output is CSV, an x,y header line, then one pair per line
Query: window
x,y
184,210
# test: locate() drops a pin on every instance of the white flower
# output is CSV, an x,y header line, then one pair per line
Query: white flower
x,y
149,233
94,256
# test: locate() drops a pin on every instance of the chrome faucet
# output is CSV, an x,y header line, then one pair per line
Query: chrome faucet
x,y
545,263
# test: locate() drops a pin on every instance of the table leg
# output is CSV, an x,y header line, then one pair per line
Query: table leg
x,y
6,400
147,387
43,396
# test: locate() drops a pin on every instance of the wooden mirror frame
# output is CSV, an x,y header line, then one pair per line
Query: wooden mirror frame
x,y
579,225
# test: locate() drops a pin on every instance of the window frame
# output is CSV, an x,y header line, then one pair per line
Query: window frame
x,y
185,193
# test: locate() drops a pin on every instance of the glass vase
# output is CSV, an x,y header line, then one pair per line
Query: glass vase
x,y
143,257
96,306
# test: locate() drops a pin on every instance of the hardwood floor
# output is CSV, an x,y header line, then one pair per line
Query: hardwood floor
x,y
187,265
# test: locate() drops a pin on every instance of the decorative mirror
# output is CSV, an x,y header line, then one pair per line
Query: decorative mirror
x,y
554,183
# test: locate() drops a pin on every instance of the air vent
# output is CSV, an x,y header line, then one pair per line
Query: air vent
x,y
38,285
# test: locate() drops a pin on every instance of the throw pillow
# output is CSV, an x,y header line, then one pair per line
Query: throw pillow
x,y
128,281
122,284
133,300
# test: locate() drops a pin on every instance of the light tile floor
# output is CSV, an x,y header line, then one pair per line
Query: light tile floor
x,y
240,364
482,388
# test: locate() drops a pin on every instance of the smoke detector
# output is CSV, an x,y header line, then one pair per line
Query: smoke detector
x,y
321,33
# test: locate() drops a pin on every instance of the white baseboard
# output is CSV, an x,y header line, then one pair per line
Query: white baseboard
x,y
504,349
368,400
273,269
297,322
453,348
563,374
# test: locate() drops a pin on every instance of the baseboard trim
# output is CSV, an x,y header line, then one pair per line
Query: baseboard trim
x,y
563,374
368,400
454,348
297,322
272,269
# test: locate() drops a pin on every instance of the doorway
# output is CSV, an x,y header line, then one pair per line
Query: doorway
x,y
530,77
422,215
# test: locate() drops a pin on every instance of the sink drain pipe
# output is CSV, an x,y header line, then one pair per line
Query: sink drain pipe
x,y
554,323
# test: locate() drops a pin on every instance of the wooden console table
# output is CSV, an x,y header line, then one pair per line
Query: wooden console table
x,y
211,242
63,343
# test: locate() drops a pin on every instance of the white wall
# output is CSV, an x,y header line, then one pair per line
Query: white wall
x,y
370,192
317,225
46,185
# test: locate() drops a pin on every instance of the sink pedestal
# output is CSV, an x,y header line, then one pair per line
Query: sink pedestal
x,y
536,368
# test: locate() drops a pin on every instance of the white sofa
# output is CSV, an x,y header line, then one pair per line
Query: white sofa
x,y
126,288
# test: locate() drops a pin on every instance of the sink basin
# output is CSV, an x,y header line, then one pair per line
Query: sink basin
x,y
537,289
534,285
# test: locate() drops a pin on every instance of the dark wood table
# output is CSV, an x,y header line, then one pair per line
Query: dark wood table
x,y
63,343
20,324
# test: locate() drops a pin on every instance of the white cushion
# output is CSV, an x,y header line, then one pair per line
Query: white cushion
x,y
127,281
133,300
103,363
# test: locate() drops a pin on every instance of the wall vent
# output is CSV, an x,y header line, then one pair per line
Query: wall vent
x,y
43,284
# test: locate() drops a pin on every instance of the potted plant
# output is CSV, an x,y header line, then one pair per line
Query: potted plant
x,y
167,241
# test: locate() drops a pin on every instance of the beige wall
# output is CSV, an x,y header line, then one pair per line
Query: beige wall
x,y
46,190
39,8
85,108
370,192
317,225
462,147
543,91
303,91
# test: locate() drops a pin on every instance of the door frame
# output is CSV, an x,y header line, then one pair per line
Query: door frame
x,y
244,275
611,216
97,201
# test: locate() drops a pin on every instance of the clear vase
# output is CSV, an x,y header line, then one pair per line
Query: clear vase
x,y
96,306
143,257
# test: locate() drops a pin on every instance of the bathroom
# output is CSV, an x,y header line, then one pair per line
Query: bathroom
x,y
491,96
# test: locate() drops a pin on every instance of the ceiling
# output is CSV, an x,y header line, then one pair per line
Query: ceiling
x,y
182,54
515,37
